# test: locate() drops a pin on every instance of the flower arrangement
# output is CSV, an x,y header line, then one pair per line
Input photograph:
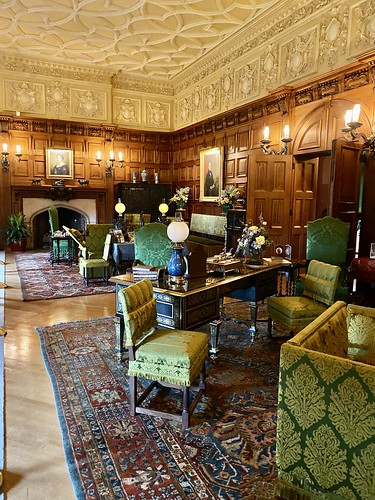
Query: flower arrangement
x,y
181,195
229,196
254,240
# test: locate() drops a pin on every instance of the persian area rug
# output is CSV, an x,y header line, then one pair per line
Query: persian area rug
x,y
41,281
229,451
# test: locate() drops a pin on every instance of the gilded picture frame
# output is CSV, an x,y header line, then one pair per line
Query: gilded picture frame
x,y
59,164
211,174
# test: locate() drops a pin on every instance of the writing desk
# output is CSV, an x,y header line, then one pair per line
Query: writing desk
x,y
197,302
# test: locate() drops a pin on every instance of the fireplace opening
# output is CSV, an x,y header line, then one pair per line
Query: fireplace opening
x,y
41,228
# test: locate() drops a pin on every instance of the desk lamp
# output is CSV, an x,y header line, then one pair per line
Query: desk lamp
x,y
120,209
177,232
163,209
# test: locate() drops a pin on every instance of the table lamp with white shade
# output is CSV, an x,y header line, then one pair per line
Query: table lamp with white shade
x,y
177,232
163,209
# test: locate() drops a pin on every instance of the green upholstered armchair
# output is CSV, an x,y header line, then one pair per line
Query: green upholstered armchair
x,y
152,247
97,268
326,409
54,223
171,358
327,241
294,313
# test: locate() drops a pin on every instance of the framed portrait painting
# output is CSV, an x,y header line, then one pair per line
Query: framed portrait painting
x,y
59,164
211,173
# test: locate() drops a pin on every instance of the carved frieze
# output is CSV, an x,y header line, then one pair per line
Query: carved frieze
x,y
157,114
127,110
299,56
88,104
363,26
211,98
24,96
270,67
247,81
57,98
334,35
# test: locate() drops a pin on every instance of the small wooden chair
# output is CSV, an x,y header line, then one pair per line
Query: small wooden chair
x,y
170,358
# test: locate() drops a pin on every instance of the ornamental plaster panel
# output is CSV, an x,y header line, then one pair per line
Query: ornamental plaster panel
x,y
24,96
362,17
247,82
211,98
88,104
334,35
127,111
158,114
57,98
299,57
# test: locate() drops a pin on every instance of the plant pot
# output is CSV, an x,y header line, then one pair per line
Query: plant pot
x,y
226,207
18,245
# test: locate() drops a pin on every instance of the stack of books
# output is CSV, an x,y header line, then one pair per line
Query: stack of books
x,y
140,272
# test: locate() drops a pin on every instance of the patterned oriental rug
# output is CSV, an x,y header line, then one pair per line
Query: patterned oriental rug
x,y
228,453
41,281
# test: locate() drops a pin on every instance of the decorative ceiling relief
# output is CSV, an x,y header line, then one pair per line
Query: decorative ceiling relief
x,y
157,114
211,99
57,98
334,35
247,81
299,56
270,67
88,104
363,21
23,96
127,111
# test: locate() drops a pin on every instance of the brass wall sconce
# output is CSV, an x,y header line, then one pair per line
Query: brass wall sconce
x,y
266,142
110,163
5,163
352,123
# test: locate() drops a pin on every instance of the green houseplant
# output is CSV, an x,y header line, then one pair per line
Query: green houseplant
x,y
17,232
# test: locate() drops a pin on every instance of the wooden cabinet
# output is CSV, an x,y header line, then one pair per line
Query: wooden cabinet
x,y
144,197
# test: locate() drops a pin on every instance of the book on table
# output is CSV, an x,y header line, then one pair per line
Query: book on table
x,y
141,271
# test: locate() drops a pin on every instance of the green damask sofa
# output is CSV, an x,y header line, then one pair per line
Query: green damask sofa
x,y
326,408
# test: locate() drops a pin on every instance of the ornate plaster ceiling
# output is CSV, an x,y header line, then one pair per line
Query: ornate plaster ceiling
x,y
148,38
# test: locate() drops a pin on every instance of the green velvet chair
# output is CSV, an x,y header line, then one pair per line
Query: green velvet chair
x,y
62,248
152,247
326,408
169,358
97,268
327,241
295,312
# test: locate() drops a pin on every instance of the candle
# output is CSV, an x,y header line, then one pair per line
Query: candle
x,y
120,156
356,112
286,132
111,155
5,147
18,149
348,116
98,155
266,133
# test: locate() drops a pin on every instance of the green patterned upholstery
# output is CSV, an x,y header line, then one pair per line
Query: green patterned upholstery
x,y
361,333
53,216
152,247
294,313
327,241
326,414
173,357
95,238
133,220
96,267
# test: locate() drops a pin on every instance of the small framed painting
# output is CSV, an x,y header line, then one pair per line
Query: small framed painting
x,y
211,173
372,251
59,164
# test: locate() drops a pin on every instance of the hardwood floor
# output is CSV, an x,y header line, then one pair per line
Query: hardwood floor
x,y
35,466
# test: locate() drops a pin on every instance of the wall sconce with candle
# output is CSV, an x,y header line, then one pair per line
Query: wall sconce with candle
x,y
110,163
5,163
352,123
266,142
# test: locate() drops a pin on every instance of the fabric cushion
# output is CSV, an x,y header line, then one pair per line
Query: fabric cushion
x,y
361,333
321,282
152,247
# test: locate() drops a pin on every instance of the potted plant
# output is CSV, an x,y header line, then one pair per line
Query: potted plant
x,y
17,232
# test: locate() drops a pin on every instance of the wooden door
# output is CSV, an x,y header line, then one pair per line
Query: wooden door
x,y
269,194
368,207
303,203
346,179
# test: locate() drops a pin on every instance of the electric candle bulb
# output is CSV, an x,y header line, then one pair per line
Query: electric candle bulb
x,y
98,155
266,133
356,112
120,156
111,155
18,149
5,147
286,132
348,116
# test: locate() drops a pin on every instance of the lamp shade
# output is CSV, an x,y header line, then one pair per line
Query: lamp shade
x,y
178,231
163,208
120,208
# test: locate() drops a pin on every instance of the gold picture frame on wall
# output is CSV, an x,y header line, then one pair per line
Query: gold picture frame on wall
x,y
59,164
211,173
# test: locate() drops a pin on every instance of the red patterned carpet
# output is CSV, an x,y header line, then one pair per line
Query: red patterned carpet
x,y
41,281
228,453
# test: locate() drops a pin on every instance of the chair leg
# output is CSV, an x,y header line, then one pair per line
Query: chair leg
x,y
133,394
185,408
